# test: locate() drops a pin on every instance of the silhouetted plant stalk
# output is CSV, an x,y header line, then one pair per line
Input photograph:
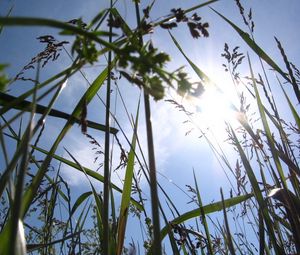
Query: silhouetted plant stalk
x,y
152,167
106,184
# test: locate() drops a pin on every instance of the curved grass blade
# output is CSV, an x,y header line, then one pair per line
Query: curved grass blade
x,y
207,209
24,21
25,105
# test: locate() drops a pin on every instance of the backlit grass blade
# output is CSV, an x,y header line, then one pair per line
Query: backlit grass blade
x,y
80,200
252,44
207,209
292,108
125,201
197,70
26,106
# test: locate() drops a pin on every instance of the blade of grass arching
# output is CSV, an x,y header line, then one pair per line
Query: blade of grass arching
x,y
125,201
68,29
80,200
203,218
252,44
267,129
26,106
258,195
207,209
228,233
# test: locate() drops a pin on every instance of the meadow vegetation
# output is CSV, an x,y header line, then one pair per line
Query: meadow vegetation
x,y
262,213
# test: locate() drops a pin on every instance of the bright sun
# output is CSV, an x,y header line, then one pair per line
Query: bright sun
x,y
213,109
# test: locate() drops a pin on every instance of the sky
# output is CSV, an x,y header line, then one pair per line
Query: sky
x,y
177,154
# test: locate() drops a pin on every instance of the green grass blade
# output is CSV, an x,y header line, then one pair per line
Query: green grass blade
x,y
207,209
24,21
125,201
228,233
203,218
26,106
197,70
292,108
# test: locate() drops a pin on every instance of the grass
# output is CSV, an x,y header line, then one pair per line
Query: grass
x,y
265,201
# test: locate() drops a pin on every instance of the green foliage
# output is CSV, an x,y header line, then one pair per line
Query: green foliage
x,y
266,172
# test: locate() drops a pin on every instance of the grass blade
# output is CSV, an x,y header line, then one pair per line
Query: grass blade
x,y
125,201
25,105
207,209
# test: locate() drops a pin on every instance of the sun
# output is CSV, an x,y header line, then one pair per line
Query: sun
x,y
214,109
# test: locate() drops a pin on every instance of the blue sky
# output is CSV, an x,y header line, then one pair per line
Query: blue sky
x,y
177,154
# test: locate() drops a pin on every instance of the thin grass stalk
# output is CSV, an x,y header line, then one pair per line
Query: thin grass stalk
x,y
17,203
125,201
152,167
227,234
203,219
106,187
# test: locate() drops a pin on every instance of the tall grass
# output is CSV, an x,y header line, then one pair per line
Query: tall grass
x,y
266,171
